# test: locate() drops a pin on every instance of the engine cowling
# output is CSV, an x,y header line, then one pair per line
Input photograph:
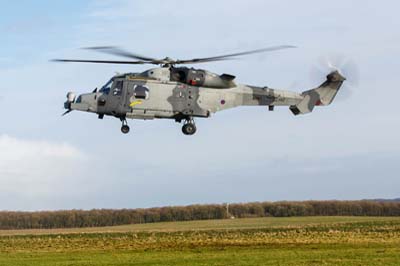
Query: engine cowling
x,y
202,78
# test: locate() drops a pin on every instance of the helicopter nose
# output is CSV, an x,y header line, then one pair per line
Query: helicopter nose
x,y
85,102
71,97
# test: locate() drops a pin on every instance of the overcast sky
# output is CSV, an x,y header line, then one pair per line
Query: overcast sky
x,y
349,150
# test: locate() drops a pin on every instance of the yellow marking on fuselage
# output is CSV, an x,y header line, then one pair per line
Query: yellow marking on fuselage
x,y
135,103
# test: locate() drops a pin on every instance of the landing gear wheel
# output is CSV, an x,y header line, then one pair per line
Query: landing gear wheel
x,y
189,129
125,129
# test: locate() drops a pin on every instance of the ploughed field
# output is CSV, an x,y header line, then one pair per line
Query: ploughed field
x,y
254,241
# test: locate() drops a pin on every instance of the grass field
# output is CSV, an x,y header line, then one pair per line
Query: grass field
x,y
258,241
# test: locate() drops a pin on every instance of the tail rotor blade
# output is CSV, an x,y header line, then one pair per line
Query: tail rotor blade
x,y
345,66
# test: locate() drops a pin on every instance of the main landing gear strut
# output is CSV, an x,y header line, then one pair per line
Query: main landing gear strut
x,y
189,128
124,128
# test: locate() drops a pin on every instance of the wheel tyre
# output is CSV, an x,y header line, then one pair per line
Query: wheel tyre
x,y
125,129
189,129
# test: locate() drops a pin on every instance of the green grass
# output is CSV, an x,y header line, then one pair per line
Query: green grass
x,y
259,241
208,225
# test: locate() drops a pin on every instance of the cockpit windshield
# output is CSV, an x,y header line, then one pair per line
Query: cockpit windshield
x,y
106,88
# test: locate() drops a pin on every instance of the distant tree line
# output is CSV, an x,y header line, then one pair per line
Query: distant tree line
x,y
110,217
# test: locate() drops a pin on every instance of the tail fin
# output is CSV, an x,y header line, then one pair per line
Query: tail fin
x,y
323,95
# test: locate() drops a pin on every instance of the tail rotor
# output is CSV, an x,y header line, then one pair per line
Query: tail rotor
x,y
345,66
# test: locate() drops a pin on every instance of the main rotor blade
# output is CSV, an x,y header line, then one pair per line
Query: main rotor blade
x,y
101,61
166,61
120,52
223,57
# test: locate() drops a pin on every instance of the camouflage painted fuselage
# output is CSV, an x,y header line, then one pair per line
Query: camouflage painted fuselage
x,y
186,93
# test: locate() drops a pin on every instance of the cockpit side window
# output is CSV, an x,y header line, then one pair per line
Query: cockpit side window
x,y
141,92
107,88
117,91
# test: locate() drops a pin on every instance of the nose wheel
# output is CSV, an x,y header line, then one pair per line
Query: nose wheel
x,y
189,128
125,128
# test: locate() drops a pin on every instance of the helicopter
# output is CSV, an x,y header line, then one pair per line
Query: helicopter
x,y
180,93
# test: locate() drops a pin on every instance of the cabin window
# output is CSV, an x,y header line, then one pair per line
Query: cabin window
x,y
141,92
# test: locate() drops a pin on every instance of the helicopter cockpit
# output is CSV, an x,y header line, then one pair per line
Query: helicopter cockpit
x,y
107,87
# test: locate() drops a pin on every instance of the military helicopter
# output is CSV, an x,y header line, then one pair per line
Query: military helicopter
x,y
180,93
